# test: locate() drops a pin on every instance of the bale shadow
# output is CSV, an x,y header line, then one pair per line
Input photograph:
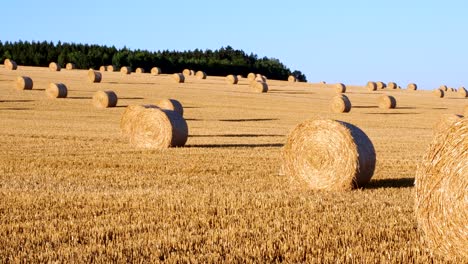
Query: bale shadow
x,y
15,109
16,101
193,119
406,107
238,135
272,145
390,183
248,120
80,98
120,106
365,106
131,98
190,107
397,113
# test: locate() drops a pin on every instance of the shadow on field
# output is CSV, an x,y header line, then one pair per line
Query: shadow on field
x,y
248,120
131,98
15,109
193,119
16,101
80,97
390,183
365,106
406,107
120,106
238,135
272,145
409,113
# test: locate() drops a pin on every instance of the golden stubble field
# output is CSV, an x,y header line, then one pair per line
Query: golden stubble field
x,y
73,190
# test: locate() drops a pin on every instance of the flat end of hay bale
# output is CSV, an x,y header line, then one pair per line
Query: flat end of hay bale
x,y
412,87
56,90
387,102
53,66
24,83
371,86
94,76
439,93
340,104
105,99
200,75
178,77
155,71
232,79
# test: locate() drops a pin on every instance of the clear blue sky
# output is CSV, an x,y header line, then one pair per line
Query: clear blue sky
x,y
425,42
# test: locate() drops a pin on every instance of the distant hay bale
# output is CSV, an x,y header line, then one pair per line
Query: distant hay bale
x,y
94,76
192,72
178,77
140,70
53,66
439,93
381,85
24,83
232,79
260,78
444,88
239,77
104,99
441,187
171,104
329,155
340,88
200,75
110,68
103,68
371,86
340,104
186,72
148,126
56,90
292,78
453,89
412,87
10,64
445,121
125,70
259,87
387,102
70,66
155,71
462,92
251,76
392,85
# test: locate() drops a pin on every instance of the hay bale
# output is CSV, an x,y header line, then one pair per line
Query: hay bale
x,y
259,87
340,88
56,90
53,66
186,72
200,75
251,76
70,66
441,187
443,88
232,79
453,89
104,99
292,78
340,104
149,126
371,86
439,93
446,121
387,102
24,83
239,77
103,68
94,76
155,71
110,68
125,70
10,64
392,85
192,73
462,93
178,77
465,111
260,78
381,85
140,70
329,155
171,104
412,87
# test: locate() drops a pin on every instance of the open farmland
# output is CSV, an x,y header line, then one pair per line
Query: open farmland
x,y
73,189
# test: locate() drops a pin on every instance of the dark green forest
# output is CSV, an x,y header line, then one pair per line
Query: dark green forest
x,y
221,62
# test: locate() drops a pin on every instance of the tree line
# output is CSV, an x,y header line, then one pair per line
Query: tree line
x,y
221,62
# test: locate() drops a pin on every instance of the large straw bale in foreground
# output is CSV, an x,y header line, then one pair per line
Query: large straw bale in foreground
x,y
149,126
178,77
24,83
232,79
441,188
57,90
171,104
465,111
387,102
340,104
10,64
155,71
53,66
445,121
329,155
94,76
104,99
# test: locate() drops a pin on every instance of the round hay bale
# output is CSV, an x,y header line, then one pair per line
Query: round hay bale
x,y
292,78
371,86
56,90
70,66
186,72
381,85
104,99
387,102
441,187
329,155
178,77
10,64
24,83
103,68
171,104
439,93
251,76
53,66
412,87
259,87
260,78
340,104
443,88
149,126
392,85
110,68
462,93
340,88
239,77
200,75
155,71
140,70
232,79
94,76
125,70
445,121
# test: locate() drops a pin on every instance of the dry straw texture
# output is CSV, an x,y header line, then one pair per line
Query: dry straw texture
x,y
412,87
200,75
24,83
155,71
148,126
329,155
126,70
171,104
259,87
340,104
340,88
104,99
441,187
371,86
445,121
462,92
53,66
140,70
392,85
465,111
56,90
439,93
94,76
251,76
291,78
178,77
232,79
260,78
381,85
10,64
110,68
387,102
103,68
186,72
444,88
70,66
